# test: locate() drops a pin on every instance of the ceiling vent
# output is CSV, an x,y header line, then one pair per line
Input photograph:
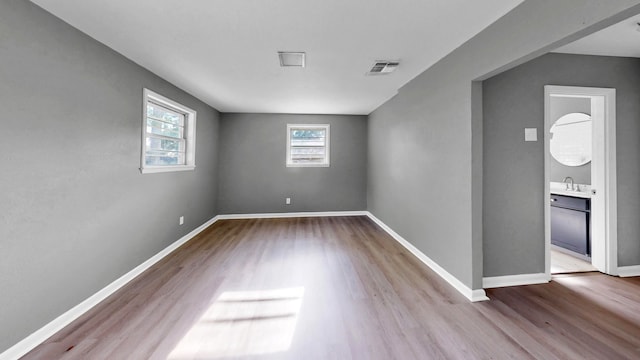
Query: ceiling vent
x,y
382,67
289,58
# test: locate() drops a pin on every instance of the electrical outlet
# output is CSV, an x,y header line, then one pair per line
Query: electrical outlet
x,y
287,201
181,220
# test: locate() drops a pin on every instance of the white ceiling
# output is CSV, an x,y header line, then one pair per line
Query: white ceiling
x,y
621,39
225,52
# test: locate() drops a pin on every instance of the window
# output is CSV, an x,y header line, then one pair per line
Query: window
x,y
307,145
168,135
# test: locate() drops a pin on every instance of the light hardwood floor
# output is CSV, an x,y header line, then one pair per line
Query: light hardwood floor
x,y
340,288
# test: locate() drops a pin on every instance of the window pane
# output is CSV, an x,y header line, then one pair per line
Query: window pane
x,y
155,157
307,137
162,128
307,133
307,142
319,151
307,154
162,125
165,144
162,113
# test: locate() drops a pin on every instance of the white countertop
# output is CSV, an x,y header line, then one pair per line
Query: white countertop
x,y
559,188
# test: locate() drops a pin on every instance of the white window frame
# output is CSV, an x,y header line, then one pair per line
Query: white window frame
x,y
189,131
327,158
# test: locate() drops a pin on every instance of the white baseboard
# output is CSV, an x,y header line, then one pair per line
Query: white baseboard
x,y
627,271
472,295
291,215
30,342
515,280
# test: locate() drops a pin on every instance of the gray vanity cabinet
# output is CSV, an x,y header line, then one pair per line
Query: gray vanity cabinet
x,y
570,223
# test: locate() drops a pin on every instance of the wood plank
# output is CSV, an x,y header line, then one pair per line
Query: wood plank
x,y
340,288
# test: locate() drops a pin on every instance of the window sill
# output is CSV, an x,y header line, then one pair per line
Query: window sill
x,y
161,169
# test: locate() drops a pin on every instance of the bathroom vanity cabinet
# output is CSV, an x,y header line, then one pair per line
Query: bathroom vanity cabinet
x,y
571,223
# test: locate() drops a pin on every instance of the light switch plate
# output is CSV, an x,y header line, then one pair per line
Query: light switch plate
x,y
530,134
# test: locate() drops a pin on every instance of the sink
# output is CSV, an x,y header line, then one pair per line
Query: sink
x,y
559,188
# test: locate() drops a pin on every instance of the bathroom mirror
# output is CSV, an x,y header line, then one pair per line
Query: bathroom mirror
x,y
571,139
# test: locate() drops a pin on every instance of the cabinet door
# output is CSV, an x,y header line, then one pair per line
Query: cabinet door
x,y
570,229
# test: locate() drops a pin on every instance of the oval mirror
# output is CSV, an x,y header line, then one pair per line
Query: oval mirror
x,y
571,139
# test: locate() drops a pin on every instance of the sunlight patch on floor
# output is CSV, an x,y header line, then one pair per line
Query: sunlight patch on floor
x,y
572,280
243,323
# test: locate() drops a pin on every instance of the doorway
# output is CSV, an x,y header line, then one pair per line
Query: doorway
x,y
600,209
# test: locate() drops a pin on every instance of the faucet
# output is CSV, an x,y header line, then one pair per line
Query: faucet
x,y
568,183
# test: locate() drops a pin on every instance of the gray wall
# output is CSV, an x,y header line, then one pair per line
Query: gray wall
x,y
254,178
423,173
560,106
514,170
76,212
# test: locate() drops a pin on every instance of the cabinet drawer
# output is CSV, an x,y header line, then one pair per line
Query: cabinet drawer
x,y
570,202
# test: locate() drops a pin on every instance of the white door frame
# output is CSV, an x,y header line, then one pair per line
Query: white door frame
x,y
604,221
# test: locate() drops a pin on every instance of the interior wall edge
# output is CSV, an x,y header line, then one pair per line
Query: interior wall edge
x,y
472,295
